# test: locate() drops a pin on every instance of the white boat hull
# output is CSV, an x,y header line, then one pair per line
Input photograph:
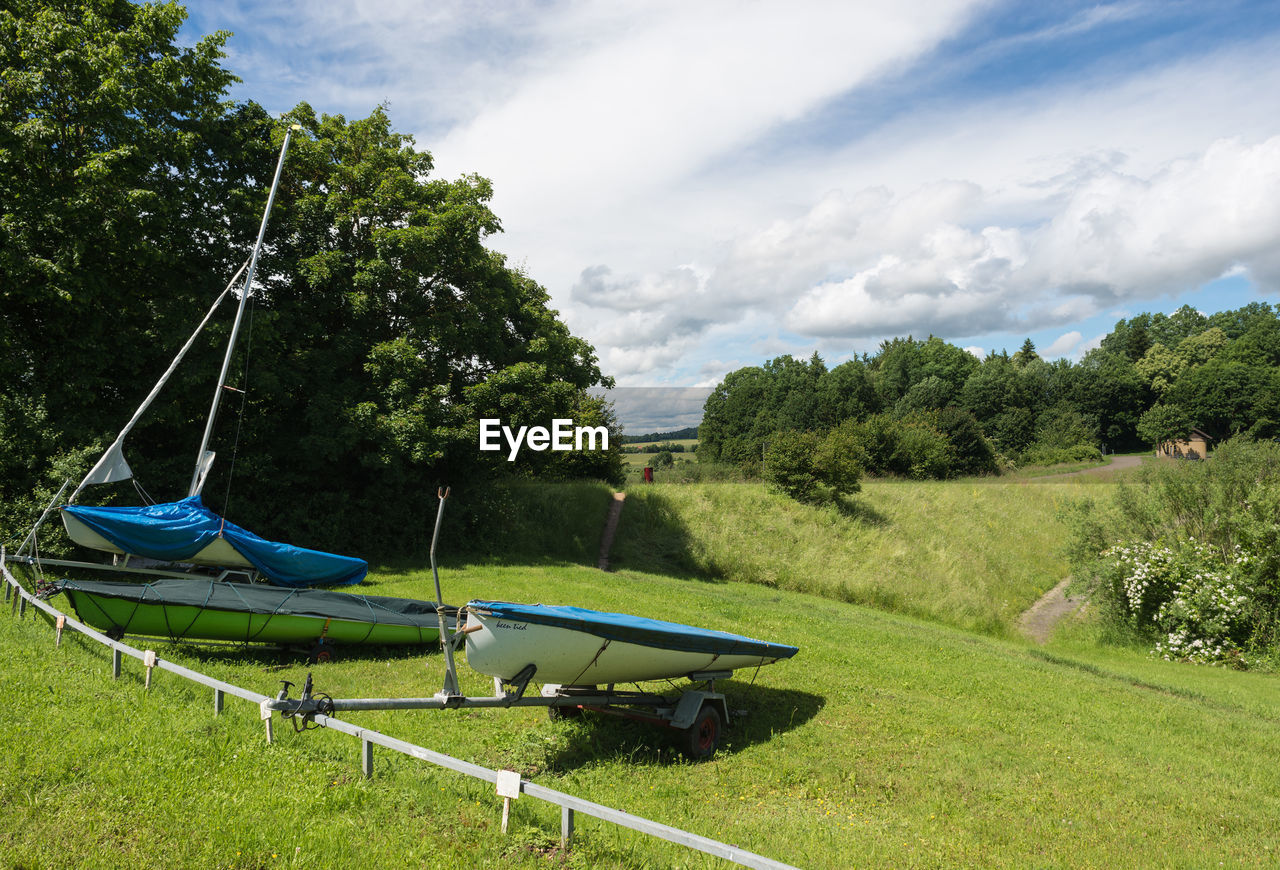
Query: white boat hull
x,y
503,647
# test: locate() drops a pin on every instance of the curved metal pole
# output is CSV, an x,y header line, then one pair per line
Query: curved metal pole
x,y
204,459
450,688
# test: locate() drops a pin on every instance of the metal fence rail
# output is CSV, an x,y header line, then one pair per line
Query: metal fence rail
x,y
19,598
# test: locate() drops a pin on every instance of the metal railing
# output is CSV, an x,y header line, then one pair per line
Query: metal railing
x,y
19,598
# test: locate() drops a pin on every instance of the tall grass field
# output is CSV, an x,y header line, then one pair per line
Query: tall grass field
x,y
972,554
889,740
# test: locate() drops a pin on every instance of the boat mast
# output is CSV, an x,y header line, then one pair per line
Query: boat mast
x,y
204,459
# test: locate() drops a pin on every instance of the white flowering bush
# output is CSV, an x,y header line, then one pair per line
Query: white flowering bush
x,y
1194,596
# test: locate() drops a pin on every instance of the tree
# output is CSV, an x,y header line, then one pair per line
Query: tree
x,y
973,452
928,395
846,392
130,189
386,330
1163,423
1224,397
128,186
788,464
811,468
729,417
1025,354
1111,393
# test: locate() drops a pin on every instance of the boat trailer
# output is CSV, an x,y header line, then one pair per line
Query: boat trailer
x,y
699,714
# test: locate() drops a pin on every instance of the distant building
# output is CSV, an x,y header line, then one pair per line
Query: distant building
x,y
1195,445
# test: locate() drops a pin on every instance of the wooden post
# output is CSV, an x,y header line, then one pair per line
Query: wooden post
x,y
61,624
148,659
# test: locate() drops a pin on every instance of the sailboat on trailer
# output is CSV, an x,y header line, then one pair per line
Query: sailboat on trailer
x,y
180,604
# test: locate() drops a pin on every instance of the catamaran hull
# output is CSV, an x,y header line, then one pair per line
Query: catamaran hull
x,y
126,610
502,646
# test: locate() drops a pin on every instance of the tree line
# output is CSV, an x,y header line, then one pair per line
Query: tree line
x,y
381,331
929,409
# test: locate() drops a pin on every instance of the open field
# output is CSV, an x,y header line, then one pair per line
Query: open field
x,y
687,443
886,742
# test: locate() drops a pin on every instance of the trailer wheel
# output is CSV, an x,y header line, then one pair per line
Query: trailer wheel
x,y
702,737
321,653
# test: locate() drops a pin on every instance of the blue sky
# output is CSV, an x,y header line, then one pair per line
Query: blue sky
x,y
702,186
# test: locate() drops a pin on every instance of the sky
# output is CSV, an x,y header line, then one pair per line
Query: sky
x,y
704,186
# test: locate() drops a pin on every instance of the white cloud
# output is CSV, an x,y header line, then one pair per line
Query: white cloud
x,y
1063,345
646,171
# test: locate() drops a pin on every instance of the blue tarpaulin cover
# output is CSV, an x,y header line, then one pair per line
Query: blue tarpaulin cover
x,y
177,531
636,629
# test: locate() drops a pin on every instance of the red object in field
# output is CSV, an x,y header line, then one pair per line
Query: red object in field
x,y
648,474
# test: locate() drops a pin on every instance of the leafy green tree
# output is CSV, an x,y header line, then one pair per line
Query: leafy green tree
x,y
1111,393
1224,397
1240,321
1198,349
1062,427
838,462
812,468
972,451
1172,329
128,186
1130,338
389,329
788,464
729,417
928,395
1163,423
1160,367
846,392
130,190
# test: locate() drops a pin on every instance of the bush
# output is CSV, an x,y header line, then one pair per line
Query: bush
x,y
1042,454
973,452
1200,562
813,468
905,446
1198,600
788,464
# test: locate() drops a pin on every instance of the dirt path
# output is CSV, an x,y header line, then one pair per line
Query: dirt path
x,y
1117,463
1043,617
610,529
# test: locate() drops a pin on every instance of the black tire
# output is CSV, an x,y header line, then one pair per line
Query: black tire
x,y
700,740
321,653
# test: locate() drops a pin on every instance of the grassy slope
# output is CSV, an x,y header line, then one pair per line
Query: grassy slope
x,y
886,741
972,554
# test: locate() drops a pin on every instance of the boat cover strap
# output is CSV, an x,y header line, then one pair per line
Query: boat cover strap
x,y
635,629
177,531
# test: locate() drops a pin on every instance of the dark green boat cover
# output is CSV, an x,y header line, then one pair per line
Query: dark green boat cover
x,y
254,598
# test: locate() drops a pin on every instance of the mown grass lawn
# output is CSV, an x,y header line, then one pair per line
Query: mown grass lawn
x,y
887,741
